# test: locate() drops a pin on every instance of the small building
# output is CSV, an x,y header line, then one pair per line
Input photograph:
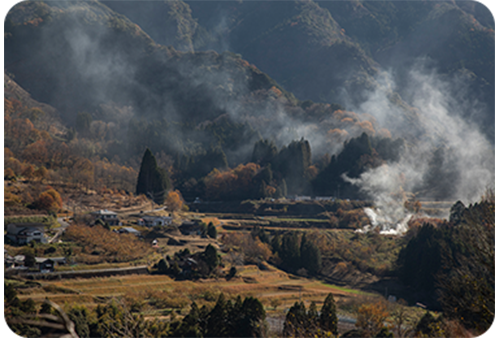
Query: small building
x,y
42,264
302,198
16,262
324,198
129,230
45,264
8,260
106,216
151,221
23,233
190,228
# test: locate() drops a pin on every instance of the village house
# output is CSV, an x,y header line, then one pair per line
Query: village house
x,y
129,230
106,216
190,228
151,221
324,198
23,233
299,198
42,264
16,262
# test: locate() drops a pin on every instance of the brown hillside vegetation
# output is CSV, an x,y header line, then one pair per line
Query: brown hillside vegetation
x,y
40,151
100,245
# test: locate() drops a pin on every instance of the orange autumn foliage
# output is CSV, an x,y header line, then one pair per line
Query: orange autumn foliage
x,y
49,200
371,317
174,201
36,152
366,127
224,184
276,91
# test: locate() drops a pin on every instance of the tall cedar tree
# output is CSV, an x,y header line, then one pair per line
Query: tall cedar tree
x,y
290,251
295,321
328,319
310,255
153,181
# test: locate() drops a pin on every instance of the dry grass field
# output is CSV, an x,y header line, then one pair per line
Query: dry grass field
x,y
276,289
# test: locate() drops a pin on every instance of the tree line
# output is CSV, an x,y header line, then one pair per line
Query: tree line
x,y
235,317
278,173
451,266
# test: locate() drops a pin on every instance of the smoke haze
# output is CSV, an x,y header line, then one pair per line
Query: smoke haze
x,y
120,74
446,157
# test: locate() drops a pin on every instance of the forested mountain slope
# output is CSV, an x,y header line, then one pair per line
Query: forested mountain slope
x,y
327,50
118,90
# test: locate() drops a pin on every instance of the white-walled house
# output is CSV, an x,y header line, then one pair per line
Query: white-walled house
x,y
23,233
106,216
42,264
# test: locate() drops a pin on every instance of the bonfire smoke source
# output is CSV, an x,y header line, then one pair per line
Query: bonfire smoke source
x,y
448,154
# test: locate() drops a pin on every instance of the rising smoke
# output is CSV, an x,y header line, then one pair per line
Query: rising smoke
x,y
446,157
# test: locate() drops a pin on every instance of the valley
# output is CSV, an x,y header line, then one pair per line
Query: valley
x,y
249,168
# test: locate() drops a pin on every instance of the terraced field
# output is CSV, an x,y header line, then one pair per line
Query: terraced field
x,y
275,288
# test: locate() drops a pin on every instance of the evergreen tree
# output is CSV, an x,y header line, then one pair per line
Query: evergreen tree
x,y
259,232
276,243
466,280
190,324
295,321
292,162
210,257
290,251
80,317
163,266
310,255
252,323
153,181
193,316
312,313
357,156
420,260
264,152
456,212
217,319
267,174
328,319
235,318
83,121
211,230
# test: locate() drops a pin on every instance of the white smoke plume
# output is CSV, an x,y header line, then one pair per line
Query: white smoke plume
x,y
465,168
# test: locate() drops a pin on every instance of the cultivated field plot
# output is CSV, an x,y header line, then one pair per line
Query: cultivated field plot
x,y
161,295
